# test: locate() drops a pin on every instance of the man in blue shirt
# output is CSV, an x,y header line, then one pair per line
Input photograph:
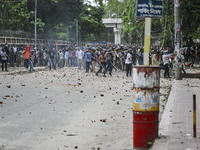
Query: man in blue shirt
x,y
88,60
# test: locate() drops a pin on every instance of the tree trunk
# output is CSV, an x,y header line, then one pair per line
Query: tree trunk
x,y
3,7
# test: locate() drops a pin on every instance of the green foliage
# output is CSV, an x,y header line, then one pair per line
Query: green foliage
x,y
190,11
113,9
58,17
163,29
90,23
17,16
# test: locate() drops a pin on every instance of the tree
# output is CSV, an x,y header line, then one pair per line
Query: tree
x,y
14,14
190,11
90,23
162,29
3,8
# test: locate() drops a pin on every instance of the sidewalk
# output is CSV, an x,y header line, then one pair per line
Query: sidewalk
x,y
176,126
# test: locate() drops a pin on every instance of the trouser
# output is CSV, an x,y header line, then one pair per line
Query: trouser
x,y
60,63
102,66
18,61
31,66
21,61
93,66
140,61
70,61
52,63
26,63
12,61
109,68
4,62
87,66
41,62
73,61
66,62
192,61
128,69
80,62
166,74
183,69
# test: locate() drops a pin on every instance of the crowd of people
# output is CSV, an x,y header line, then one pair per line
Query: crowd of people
x,y
95,58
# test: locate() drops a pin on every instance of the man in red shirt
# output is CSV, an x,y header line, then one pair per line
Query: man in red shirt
x,y
26,53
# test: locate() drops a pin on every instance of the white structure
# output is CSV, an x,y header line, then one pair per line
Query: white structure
x,y
116,24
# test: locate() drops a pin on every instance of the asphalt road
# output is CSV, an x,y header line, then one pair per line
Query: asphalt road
x,y
65,109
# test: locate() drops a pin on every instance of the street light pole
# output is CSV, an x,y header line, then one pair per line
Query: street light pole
x,y
177,28
35,23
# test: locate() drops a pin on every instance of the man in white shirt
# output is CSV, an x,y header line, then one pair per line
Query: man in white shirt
x,y
79,55
166,58
66,57
3,59
128,63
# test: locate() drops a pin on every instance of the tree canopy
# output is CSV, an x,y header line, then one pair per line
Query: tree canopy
x,y
58,18
162,29
54,17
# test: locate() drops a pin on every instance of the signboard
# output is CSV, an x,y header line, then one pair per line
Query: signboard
x,y
149,8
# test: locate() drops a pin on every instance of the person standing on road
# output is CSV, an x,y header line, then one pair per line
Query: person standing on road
x,y
45,57
74,58
109,56
41,57
62,58
12,59
70,58
21,57
51,53
4,58
140,56
155,59
102,63
93,56
31,58
7,52
88,60
66,57
79,55
26,53
183,64
18,58
128,63
165,59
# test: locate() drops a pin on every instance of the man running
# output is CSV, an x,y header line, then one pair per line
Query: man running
x,y
109,56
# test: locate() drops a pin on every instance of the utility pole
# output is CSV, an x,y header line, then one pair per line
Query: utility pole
x,y
147,40
35,23
146,83
177,28
77,33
